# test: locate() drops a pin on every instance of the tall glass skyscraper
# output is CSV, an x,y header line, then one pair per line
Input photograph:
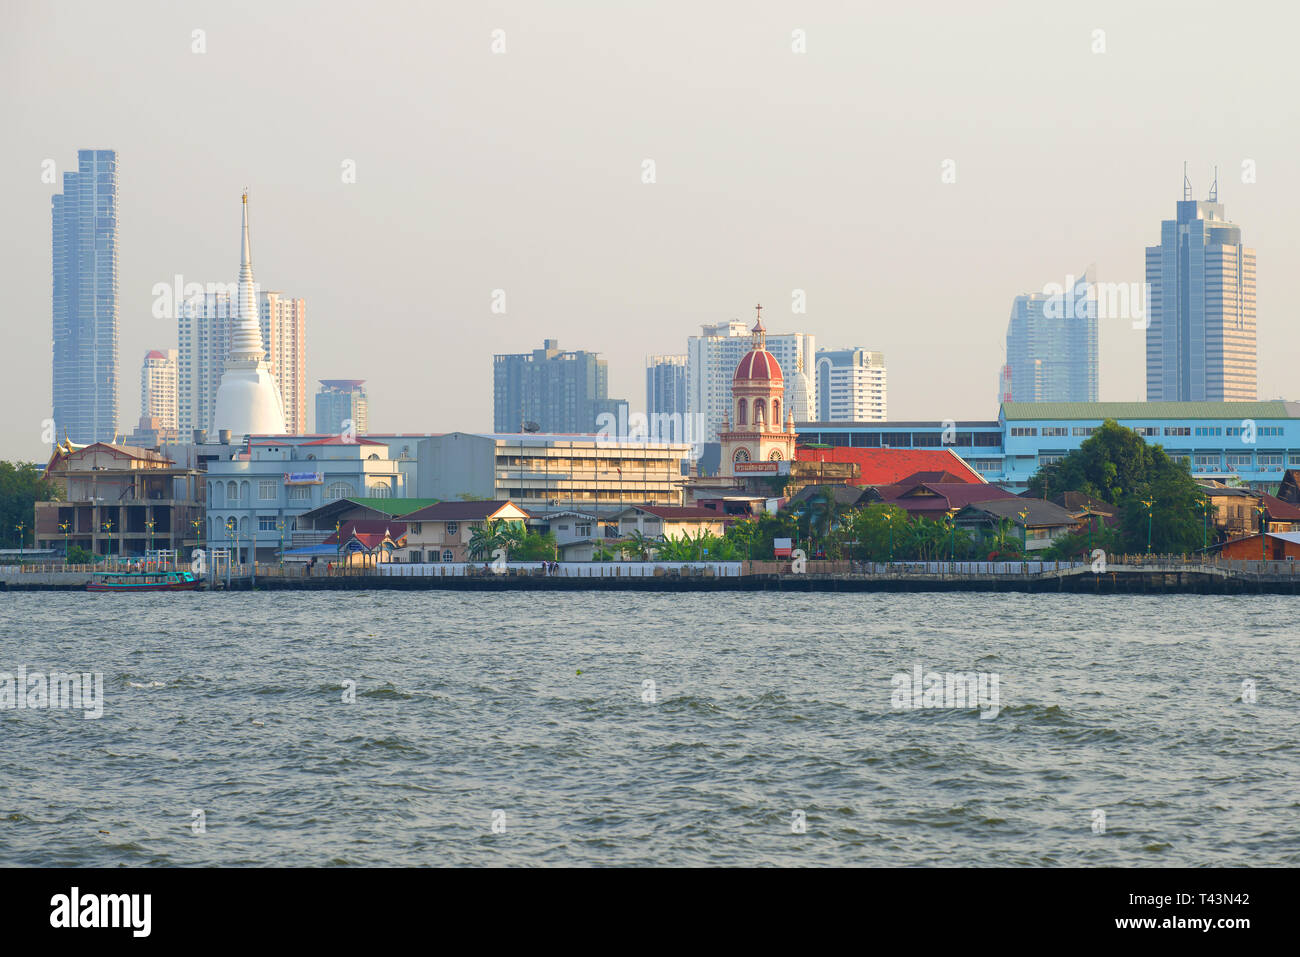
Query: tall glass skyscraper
x,y
1201,337
1052,346
85,300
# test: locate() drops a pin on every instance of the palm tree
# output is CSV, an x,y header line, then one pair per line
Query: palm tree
x,y
639,545
511,536
486,539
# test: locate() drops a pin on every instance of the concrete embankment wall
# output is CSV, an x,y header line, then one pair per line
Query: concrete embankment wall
x,y
1116,583
44,581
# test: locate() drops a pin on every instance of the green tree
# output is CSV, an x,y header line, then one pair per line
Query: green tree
x,y
535,547
21,487
80,556
874,527
1079,544
768,527
486,539
1117,465
639,546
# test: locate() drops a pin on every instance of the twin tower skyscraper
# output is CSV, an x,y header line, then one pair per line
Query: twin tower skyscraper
x,y
1197,310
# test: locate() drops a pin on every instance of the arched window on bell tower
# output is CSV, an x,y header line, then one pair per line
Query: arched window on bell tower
x,y
741,419
760,412
776,413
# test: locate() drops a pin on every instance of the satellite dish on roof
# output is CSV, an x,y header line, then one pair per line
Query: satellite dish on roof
x,y
532,427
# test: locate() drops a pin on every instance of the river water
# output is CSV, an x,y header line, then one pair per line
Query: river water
x,y
440,728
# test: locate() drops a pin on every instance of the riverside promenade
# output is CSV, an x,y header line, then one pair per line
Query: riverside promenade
x,y
1142,574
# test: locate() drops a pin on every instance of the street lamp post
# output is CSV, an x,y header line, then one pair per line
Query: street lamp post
x,y
889,519
108,529
19,528
1148,503
280,525
952,539
149,525
1024,533
65,526
231,528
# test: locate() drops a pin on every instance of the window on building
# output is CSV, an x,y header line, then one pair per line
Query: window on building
x,y
266,523
1239,463
453,528
1082,431
1049,459
338,490
582,529
266,490
232,493
299,493
415,556
742,455
1178,430
1207,462
447,555
1056,430
1022,431
1270,461
416,527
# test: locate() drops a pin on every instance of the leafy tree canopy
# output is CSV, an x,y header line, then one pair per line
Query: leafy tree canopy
x,y
1155,494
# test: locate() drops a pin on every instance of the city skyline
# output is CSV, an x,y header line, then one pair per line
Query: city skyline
x,y
643,265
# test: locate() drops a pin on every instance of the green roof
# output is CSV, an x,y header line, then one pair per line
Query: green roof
x,y
1235,411
394,506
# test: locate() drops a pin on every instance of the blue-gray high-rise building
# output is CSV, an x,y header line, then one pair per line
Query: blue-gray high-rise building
x,y
1052,346
665,385
85,300
1201,336
550,390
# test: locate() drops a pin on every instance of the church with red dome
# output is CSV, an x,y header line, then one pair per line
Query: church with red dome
x,y
755,439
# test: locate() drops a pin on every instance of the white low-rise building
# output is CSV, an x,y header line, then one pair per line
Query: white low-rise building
x,y
255,495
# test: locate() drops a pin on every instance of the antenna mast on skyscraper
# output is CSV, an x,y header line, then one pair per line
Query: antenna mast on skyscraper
x,y
1214,187
1187,183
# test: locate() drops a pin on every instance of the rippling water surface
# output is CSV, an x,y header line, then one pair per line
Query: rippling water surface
x,y
532,704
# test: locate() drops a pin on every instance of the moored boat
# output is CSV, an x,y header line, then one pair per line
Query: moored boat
x,y
143,581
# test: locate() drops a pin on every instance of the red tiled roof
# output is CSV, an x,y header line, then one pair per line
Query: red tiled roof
x,y
889,466
369,531
944,495
1279,510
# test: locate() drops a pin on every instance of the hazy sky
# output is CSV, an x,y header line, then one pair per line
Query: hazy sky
x,y
522,171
